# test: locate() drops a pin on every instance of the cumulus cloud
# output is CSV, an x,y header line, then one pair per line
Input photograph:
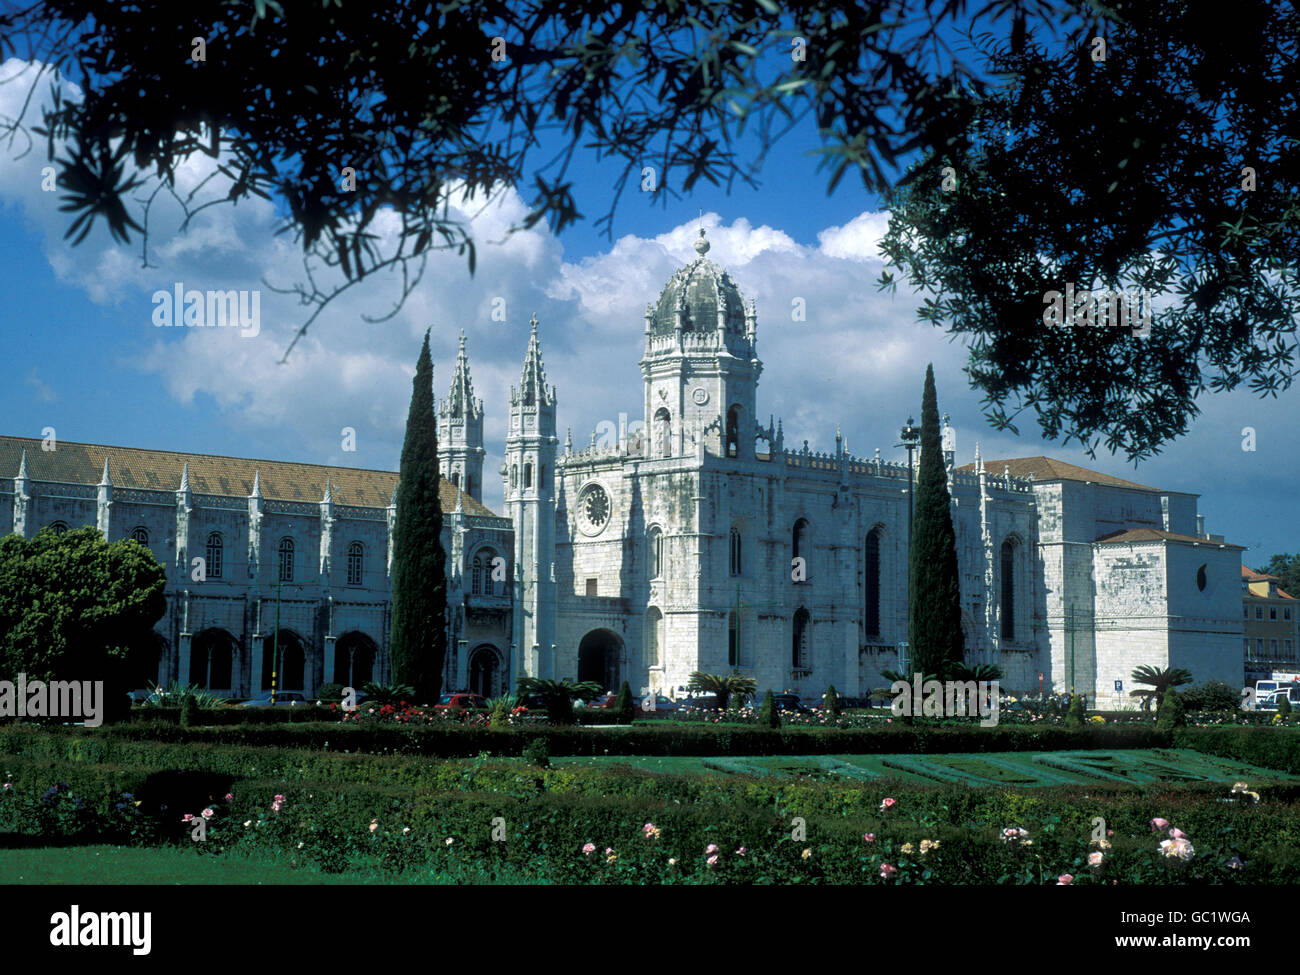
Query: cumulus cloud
x,y
837,352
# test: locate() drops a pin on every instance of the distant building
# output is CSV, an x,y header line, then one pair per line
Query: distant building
x,y
1271,638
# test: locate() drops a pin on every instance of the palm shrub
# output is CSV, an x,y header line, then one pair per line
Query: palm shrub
x,y
559,695
174,696
1158,681
768,715
723,686
1171,713
500,708
382,694
623,706
831,702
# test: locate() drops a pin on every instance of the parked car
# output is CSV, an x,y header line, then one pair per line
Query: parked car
x,y
282,699
705,702
460,702
604,701
790,702
1270,703
141,696
657,702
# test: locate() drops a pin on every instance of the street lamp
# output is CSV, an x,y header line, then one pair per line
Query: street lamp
x,y
909,438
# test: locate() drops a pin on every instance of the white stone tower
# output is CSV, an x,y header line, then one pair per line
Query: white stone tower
x,y
460,431
529,474
700,366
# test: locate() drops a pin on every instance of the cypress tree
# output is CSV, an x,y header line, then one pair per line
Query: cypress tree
x,y
934,623
419,634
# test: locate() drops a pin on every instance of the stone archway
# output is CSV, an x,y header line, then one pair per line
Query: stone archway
x,y
292,662
599,658
354,659
485,671
212,660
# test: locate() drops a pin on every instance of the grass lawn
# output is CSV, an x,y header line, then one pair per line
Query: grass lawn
x,y
1138,767
169,865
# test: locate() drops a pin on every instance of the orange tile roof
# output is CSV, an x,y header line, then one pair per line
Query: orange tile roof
x,y
1049,469
160,470
1156,535
1253,576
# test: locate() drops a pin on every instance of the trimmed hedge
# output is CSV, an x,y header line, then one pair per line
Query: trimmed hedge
x,y
463,741
1275,748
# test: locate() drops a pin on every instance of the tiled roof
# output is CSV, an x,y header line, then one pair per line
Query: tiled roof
x,y
1156,535
1253,576
160,470
1049,469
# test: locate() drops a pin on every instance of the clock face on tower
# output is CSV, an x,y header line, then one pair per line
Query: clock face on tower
x,y
700,395
593,509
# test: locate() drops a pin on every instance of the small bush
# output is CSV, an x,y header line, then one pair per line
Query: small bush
x,y
1284,707
832,702
330,693
624,709
189,711
1074,717
1212,696
537,753
1172,714
768,715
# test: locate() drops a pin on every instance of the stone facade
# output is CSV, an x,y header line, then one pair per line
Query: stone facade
x,y
694,539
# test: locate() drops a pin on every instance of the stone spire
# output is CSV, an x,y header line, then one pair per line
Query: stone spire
x,y
257,484
185,477
22,467
460,400
532,383
568,440
104,479
329,492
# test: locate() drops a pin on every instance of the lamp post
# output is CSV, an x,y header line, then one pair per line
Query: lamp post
x,y
909,439
275,640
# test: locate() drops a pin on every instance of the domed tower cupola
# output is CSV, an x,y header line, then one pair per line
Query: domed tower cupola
x,y
701,364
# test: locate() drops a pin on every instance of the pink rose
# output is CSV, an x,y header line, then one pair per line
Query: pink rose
x,y
187,818
711,848
1158,824
1095,859
888,803
229,796
1177,833
1064,880
713,859
588,849
869,837
208,813
887,871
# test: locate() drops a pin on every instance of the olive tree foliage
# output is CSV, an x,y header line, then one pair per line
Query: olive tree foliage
x,y
342,111
1165,159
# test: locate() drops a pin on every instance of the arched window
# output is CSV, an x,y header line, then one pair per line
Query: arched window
x,y
59,528
476,577
655,554
469,485
654,637
735,552
286,560
733,640
140,535
663,433
514,476
871,584
799,538
355,554
528,476
733,431
799,648
214,555
1008,590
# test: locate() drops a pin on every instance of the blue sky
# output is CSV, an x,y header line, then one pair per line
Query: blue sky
x,y
85,358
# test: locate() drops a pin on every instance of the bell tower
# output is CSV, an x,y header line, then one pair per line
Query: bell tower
x,y
460,431
701,367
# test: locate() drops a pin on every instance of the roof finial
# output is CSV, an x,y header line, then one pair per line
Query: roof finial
x,y
702,245
185,477
22,466
257,484
329,492
104,479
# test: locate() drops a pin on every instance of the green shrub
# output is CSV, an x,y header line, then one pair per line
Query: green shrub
x,y
536,753
1075,716
189,711
832,702
1212,696
1172,715
1284,707
768,715
330,693
624,709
